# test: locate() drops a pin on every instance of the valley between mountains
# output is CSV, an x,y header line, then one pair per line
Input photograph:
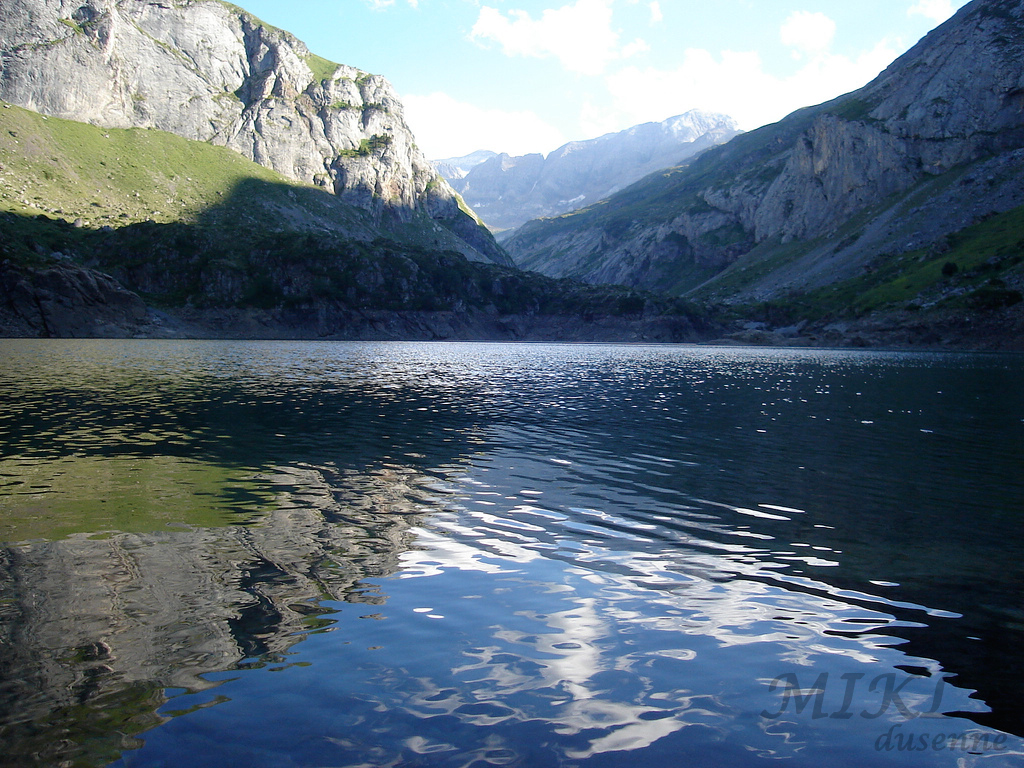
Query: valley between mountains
x,y
183,169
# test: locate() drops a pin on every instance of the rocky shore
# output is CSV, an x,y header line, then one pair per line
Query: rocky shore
x,y
68,301
999,330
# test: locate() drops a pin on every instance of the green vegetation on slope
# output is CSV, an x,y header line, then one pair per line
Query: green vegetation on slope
x,y
113,177
977,269
321,68
212,267
54,171
187,224
376,143
971,273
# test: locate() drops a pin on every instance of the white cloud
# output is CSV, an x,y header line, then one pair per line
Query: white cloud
x,y
736,83
601,118
632,49
580,36
445,127
656,15
808,33
379,5
936,10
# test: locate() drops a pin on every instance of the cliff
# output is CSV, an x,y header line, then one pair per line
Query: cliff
x,y
836,202
508,191
94,218
208,71
65,300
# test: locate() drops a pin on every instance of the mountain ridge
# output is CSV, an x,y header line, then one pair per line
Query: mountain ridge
x,y
829,194
507,191
457,167
207,70
894,213
212,245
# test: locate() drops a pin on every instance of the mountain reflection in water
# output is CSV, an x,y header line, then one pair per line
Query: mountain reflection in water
x,y
508,554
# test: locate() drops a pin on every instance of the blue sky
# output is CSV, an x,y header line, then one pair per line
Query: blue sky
x,y
522,76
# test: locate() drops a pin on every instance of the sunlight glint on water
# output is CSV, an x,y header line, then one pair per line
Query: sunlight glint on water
x,y
533,555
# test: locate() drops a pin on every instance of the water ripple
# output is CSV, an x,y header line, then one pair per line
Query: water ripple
x,y
510,554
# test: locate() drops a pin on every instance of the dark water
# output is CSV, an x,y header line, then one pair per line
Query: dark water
x,y
301,554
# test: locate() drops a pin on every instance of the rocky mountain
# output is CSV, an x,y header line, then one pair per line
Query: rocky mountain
x,y
181,168
208,71
454,168
508,191
129,232
904,195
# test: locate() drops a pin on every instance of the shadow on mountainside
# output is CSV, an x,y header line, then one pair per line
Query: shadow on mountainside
x,y
266,262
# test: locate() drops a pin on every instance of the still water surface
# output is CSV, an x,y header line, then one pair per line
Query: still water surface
x,y
350,554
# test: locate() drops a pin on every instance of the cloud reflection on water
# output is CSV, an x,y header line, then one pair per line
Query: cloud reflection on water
x,y
504,553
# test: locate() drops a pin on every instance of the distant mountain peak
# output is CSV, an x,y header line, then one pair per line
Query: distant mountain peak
x,y
863,196
507,191
454,168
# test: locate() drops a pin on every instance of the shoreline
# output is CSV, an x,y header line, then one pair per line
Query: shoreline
x,y
442,327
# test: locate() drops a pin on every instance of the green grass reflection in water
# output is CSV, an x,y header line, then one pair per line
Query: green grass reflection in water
x,y
562,554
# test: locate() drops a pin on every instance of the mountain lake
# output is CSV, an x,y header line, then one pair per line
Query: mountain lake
x,y
276,554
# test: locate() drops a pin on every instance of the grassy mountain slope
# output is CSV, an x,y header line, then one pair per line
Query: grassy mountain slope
x,y
61,169
986,255
191,226
208,71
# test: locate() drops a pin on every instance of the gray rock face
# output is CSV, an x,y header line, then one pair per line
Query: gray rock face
x,y
954,99
208,71
68,301
508,191
457,167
